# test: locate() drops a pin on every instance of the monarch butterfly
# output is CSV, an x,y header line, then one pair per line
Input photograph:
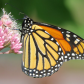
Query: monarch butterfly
x,y
46,47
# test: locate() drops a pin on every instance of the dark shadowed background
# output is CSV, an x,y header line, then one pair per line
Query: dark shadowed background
x,y
68,14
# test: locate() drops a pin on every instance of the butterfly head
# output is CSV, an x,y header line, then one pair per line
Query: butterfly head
x,y
27,26
27,23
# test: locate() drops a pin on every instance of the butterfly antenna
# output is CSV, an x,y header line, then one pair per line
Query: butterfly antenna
x,y
16,9
16,29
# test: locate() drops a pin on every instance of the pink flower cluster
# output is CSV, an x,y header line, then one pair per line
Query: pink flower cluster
x,y
8,36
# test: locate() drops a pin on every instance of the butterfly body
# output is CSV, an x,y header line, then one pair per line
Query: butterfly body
x,y
46,47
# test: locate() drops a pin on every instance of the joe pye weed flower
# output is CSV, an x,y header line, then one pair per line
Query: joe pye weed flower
x,y
8,36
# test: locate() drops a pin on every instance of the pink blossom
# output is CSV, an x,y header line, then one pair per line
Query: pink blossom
x,y
15,44
1,38
9,37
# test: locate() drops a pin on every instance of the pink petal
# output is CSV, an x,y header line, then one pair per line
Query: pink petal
x,y
20,52
0,22
5,16
1,46
15,50
1,43
6,30
2,38
1,33
8,22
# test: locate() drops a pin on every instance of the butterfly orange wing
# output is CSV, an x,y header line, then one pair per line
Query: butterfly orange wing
x,y
71,44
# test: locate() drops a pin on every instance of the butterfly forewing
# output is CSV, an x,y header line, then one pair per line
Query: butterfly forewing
x,y
71,44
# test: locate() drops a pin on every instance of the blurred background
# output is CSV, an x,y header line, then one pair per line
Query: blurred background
x,y
68,14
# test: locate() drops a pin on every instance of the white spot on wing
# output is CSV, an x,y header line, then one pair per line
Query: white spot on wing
x,y
57,43
68,54
31,22
59,28
36,71
29,33
59,49
67,35
73,54
31,30
77,40
56,69
25,21
46,32
74,36
25,25
36,75
52,39
65,57
62,53
62,32
67,31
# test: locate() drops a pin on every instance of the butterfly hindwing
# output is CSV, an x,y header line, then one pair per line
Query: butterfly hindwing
x,y
42,54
